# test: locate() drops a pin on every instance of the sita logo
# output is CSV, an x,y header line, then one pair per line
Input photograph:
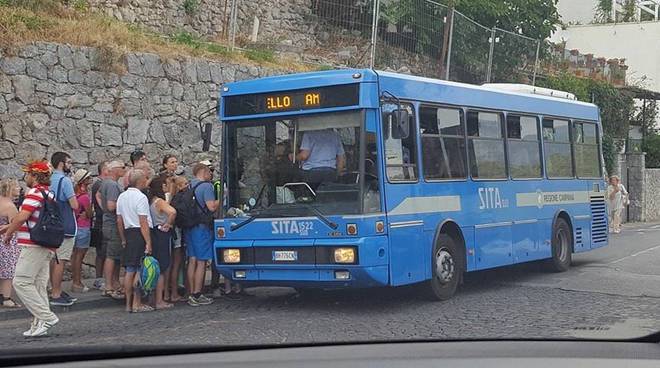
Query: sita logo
x,y
291,227
489,198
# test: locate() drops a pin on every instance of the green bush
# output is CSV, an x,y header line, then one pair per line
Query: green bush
x,y
609,153
260,55
190,6
651,146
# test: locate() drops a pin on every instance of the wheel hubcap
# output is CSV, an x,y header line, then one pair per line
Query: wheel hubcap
x,y
444,266
562,241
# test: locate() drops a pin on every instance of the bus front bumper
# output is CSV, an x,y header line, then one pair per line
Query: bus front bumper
x,y
312,263
335,277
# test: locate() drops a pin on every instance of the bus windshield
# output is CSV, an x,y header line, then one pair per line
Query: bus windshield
x,y
304,165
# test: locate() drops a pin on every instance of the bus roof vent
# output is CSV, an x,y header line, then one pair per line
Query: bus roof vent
x,y
524,88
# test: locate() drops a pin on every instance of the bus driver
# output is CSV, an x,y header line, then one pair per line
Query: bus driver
x,y
322,157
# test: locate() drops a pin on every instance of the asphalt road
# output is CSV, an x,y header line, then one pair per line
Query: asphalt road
x,y
612,292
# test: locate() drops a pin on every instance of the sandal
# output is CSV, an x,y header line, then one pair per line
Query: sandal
x,y
9,303
143,308
116,295
165,306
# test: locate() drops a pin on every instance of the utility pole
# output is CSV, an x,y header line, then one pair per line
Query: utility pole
x,y
446,41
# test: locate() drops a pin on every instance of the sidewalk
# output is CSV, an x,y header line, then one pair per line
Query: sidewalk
x,y
89,300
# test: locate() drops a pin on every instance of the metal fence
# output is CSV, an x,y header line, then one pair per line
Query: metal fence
x,y
421,37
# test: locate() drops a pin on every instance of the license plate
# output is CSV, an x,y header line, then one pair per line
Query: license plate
x,y
285,255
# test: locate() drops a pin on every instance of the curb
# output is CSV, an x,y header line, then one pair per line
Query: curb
x,y
81,305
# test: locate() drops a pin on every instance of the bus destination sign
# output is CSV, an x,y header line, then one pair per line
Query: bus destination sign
x,y
295,100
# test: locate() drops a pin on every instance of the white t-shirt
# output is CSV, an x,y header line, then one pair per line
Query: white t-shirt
x,y
132,204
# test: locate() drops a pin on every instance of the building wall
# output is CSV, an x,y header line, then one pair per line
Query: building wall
x,y
638,43
58,97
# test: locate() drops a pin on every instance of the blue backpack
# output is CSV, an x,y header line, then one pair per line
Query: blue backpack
x,y
66,214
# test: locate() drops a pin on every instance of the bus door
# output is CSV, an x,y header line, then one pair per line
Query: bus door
x,y
408,257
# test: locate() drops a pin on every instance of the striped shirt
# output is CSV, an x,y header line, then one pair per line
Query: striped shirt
x,y
32,203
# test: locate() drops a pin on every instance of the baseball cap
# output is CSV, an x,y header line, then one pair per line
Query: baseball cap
x,y
80,176
207,163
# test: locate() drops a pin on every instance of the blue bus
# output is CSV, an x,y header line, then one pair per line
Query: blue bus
x,y
424,180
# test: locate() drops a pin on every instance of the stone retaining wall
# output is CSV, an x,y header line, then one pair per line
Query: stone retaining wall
x,y
57,97
652,194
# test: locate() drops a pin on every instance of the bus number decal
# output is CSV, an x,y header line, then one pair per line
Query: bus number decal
x,y
291,227
489,198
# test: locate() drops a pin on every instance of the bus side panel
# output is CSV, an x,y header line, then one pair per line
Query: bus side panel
x,y
407,251
525,241
493,246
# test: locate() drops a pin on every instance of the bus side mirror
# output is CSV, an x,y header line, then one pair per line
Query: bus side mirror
x,y
206,136
400,124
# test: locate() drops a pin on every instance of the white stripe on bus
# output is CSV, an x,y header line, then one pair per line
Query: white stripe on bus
x,y
415,205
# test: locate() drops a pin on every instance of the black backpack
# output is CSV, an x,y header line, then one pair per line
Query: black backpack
x,y
49,230
189,213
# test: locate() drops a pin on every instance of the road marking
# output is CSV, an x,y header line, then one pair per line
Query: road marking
x,y
635,254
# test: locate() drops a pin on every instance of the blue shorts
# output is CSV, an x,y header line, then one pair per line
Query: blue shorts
x,y
199,242
130,269
83,238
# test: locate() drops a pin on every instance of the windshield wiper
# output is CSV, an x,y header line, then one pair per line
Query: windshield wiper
x,y
266,212
322,217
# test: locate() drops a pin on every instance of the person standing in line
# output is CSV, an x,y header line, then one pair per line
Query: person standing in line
x,y
84,215
96,233
62,188
170,165
134,225
617,195
10,251
199,239
32,269
162,216
178,185
107,197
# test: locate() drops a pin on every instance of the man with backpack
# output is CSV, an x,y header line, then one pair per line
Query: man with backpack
x,y
62,187
40,232
195,210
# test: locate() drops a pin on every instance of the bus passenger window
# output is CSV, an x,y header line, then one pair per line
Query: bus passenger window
x,y
486,145
443,143
557,147
587,157
400,154
524,151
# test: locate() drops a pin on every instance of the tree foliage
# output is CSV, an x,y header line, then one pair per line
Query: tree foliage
x,y
651,146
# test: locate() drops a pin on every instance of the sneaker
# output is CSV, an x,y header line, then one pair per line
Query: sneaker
x,y
33,326
66,295
204,300
193,302
62,301
99,284
43,327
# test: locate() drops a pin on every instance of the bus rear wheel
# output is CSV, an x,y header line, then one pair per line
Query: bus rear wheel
x,y
446,268
562,248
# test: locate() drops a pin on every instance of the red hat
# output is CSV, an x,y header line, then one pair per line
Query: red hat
x,y
37,167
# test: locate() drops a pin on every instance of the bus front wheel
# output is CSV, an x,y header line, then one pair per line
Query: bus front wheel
x,y
561,246
446,267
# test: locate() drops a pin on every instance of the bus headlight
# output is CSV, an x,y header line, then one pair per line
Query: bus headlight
x,y
344,255
231,255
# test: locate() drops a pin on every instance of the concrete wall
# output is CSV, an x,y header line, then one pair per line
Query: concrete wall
x,y
652,194
635,42
57,97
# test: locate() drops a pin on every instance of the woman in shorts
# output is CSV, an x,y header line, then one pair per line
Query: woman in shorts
x,y
84,214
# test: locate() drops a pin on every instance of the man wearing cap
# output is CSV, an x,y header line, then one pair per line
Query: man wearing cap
x,y
199,239
107,197
32,269
62,188
81,180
